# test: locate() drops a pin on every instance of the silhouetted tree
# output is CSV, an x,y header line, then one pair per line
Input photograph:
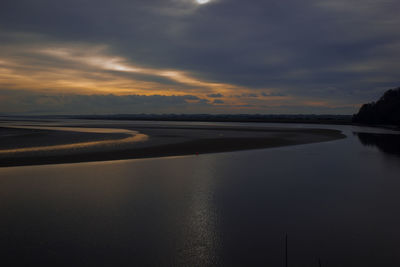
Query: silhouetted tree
x,y
385,111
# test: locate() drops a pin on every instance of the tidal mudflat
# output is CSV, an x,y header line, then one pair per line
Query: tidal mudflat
x,y
23,143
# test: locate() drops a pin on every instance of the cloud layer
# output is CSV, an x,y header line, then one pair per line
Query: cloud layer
x,y
256,56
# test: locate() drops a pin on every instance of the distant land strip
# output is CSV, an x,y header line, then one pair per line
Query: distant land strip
x,y
278,118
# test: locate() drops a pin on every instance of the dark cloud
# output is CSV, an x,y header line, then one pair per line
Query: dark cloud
x,y
301,48
36,103
247,95
273,94
215,95
218,101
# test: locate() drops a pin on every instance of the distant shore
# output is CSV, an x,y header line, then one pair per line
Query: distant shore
x,y
162,141
259,118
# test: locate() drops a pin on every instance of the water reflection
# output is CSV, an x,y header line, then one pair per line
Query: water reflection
x,y
338,201
386,143
199,238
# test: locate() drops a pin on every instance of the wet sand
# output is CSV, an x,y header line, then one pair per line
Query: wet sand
x,y
14,138
160,141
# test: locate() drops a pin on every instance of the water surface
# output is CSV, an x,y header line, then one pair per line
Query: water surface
x,y
338,202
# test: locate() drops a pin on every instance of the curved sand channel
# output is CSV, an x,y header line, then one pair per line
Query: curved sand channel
x,y
132,137
161,141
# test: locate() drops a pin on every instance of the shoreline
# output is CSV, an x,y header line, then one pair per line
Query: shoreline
x,y
179,141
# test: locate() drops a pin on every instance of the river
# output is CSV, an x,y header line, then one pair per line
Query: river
x,y
336,202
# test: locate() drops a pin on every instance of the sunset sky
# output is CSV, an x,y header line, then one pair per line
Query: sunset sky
x,y
196,56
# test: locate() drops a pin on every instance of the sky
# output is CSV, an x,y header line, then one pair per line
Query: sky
x,y
196,56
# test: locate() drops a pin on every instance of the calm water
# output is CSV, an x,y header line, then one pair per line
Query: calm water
x,y
338,202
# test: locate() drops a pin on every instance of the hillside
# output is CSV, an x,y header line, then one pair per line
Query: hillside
x,y
385,111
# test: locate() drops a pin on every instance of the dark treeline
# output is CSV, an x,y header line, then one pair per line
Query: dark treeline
x,y
385,111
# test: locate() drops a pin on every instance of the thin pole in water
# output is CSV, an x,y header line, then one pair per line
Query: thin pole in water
x,y
286,250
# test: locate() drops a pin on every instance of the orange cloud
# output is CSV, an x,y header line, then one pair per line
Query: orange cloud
x,y
84,69
98,59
